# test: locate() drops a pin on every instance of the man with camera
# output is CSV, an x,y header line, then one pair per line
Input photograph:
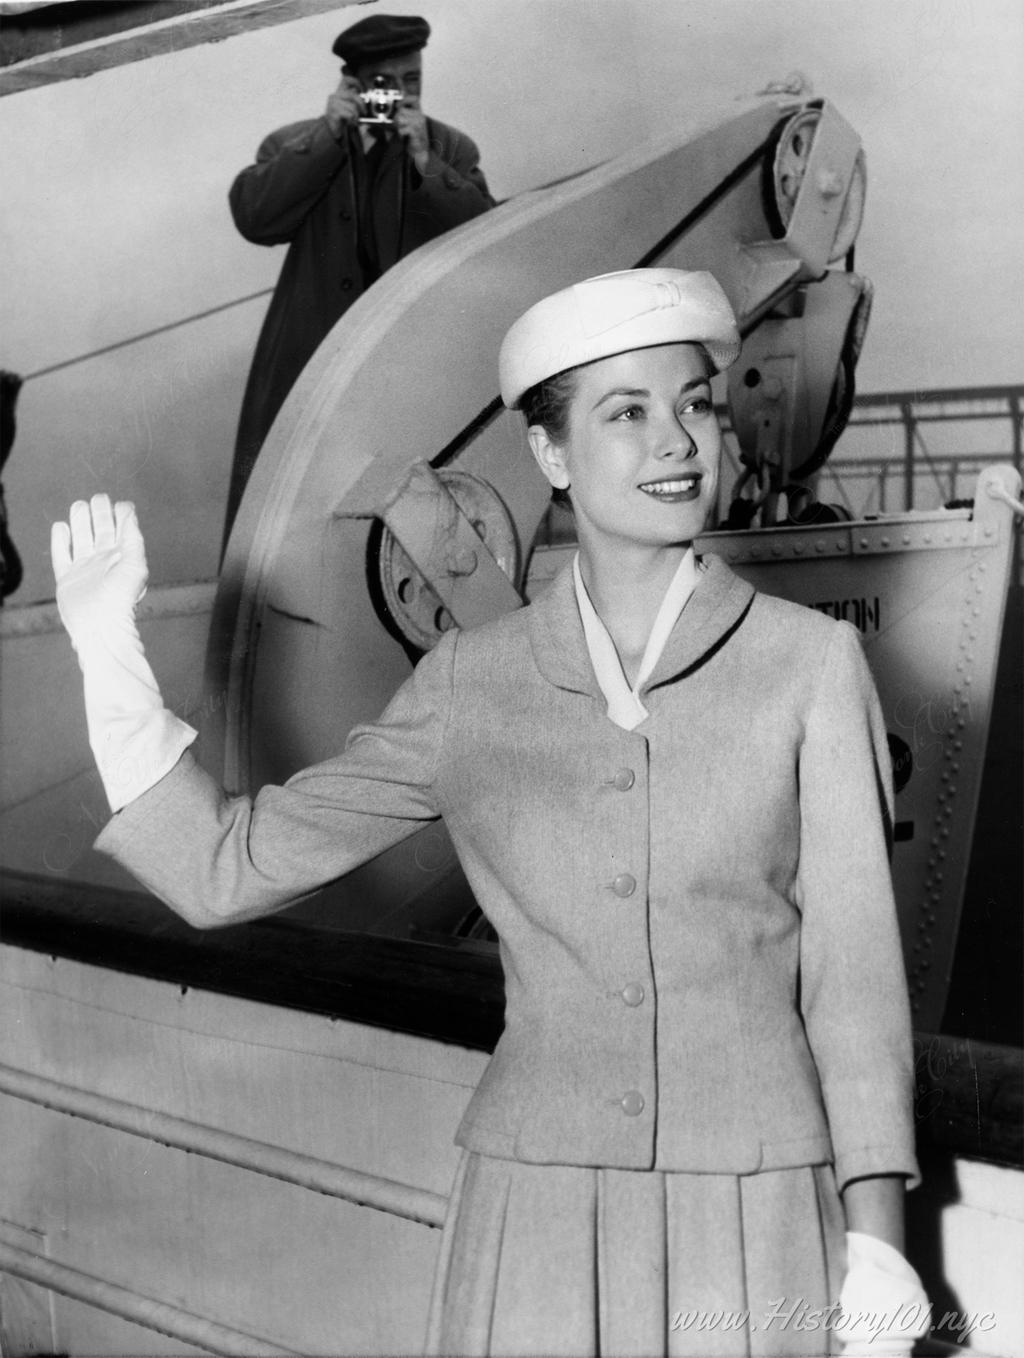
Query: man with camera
x,y
350,193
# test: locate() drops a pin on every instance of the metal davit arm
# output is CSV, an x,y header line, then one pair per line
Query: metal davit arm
x,y
320,609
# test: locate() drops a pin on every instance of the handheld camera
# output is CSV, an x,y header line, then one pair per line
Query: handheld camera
x,y
380,102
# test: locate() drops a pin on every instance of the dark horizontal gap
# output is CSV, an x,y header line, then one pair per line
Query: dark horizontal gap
x,y
447,993
51,28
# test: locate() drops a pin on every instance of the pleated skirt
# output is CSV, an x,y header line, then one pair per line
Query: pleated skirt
x,y
556,1260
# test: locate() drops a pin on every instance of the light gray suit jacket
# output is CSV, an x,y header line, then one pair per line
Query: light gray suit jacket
x,y
702,963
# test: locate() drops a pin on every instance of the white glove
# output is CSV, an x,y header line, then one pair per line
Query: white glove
x,y
99,564
884,1308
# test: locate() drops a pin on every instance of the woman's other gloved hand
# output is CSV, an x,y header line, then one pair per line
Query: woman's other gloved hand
x,y
99,564
884,1307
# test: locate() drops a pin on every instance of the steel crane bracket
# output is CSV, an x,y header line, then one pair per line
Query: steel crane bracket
x,y
818,189
453,556
817,206
789,394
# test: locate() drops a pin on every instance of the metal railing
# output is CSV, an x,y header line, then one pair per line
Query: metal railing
x,y
305,1171
938,441
907,450
276,1162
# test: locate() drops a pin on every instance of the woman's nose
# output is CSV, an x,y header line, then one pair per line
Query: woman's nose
x,y
675,440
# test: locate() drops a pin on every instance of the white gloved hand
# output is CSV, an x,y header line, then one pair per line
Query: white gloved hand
x,y
99,564
884,1307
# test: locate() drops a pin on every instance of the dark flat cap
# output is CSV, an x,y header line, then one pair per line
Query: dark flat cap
x,y
381,35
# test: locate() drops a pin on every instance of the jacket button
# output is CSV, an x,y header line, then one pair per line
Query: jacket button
x,y
632,1104
632,994
624,884
624,779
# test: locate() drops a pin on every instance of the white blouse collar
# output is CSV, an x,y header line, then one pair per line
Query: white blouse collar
x,y
624,706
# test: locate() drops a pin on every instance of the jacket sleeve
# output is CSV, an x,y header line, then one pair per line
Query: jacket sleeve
x,y
294,166
217,860
853,986
452,189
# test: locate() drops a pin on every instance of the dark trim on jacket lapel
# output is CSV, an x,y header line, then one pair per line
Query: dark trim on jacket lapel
x,y
715,609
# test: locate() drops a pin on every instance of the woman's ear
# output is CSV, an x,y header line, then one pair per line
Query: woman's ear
x,y
549,456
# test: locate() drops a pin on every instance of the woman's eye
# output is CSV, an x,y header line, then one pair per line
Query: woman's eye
x,y
700,405
628,413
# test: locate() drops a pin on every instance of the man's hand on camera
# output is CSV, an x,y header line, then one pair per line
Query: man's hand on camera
x,y
343,107
411,124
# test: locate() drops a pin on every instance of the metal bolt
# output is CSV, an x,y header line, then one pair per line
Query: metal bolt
x,y
462,561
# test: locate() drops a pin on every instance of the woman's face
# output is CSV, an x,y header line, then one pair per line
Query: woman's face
x,y
642,453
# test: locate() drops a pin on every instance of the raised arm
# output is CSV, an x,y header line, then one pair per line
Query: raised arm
x,y
293,169
447,184
217,859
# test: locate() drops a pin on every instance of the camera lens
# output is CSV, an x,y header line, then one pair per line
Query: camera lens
x,y
381,100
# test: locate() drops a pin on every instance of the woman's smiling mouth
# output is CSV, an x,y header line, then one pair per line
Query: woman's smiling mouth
x,y
674,489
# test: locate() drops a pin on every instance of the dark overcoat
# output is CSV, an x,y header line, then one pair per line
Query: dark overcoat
x,y
345,221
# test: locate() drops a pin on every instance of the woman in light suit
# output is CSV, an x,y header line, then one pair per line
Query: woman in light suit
x,y
670,796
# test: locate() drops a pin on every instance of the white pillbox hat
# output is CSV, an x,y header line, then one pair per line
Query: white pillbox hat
x,y
610,314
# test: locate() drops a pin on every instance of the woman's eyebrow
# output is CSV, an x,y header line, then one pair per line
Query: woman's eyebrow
x,y
643,391
620,391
